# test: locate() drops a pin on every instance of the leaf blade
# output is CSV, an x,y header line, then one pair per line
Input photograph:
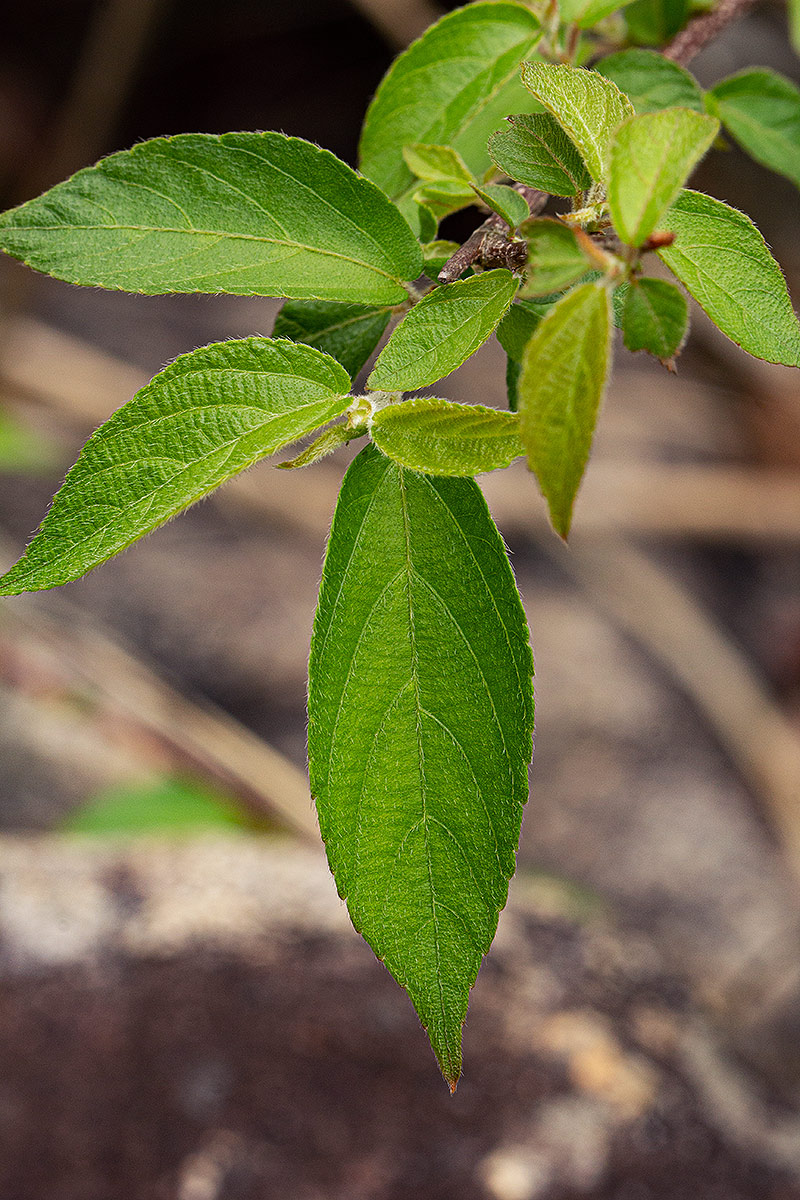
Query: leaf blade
x,y
651,81
347,332
564,370
761,109
723,261
655,317
175,441
420,800
442,438
535,150
245,213
442,331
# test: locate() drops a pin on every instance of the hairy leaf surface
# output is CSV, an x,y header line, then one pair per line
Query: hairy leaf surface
x,y
651,158
247,213
655,317
723,261
203,419
564,371
555,258
420,723
442,331
535,150
762,111
587,106
652,82
443,438
436,162
451,87
348,332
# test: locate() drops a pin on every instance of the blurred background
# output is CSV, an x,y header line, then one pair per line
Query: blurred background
x,y
184,1011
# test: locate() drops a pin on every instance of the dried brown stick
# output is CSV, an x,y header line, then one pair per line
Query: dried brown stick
x,y
473,248
703,29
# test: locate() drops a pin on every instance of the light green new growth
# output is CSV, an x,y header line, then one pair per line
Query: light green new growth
x,y
564,371
652,156
433,163
762,111
508,204
206,417
535,150
585,13
443,438
442,331
723,261
655,317
587,106
555,259
420,798
652,82
247,213
451,87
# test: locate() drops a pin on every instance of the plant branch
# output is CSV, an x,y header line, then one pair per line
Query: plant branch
x,y
473,248
703,29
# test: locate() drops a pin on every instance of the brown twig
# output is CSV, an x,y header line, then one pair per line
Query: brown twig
x,y
703,29
484,238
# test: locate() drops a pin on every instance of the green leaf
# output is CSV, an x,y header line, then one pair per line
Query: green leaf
x,y
442,331
321,447
762,111
585,13
247,213
166,806
513,371
451,87
436,255
508,204
443,197
420,723
536,151
655,317
651,81
587,106
348,332
519,324
654,22
203,419
555,258
723,261
443,438
564,371
651,158
432,163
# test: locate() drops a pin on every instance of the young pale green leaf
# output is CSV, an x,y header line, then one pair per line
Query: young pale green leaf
x,y
433,163
587,106
443,197
451,87
655,317
651,158
652,82
508,204
564,371
443,438
535,150
247,213
723,261
762,111
206,417
442,331
348,332
654,22
420,722
585,13
322,446
555,257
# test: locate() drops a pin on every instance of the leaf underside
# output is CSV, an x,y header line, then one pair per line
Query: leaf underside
x,y
207,416
420,729
348,332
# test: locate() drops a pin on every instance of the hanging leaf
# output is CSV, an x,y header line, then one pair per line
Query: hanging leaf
x,y
536,151
655,317
348,332
723,261
762,111
247,213
203,419
564,372
451,87
587,106
652,82
420,722
651,158
442,331
443,438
